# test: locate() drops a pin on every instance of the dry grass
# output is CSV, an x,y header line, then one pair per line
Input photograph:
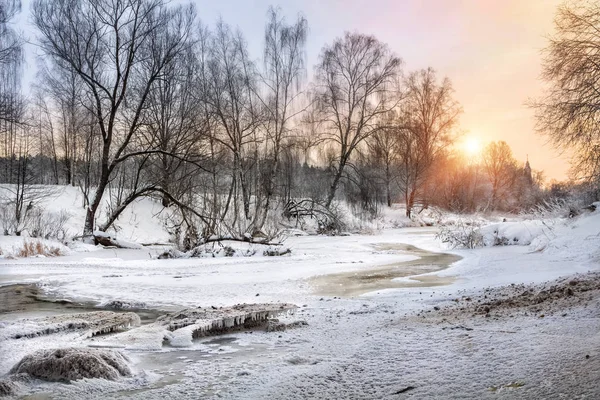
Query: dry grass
x,y
34,248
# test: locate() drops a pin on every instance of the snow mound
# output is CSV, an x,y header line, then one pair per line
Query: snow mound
x,y
12,247
576,238
579,238
71,364
520,233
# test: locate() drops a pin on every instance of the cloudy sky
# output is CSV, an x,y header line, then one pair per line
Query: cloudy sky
x,y
490,49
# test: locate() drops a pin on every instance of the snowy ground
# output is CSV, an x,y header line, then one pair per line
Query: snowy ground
x,y
390,343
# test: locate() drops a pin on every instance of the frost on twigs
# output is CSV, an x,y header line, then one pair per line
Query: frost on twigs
x,y
464,234
71,364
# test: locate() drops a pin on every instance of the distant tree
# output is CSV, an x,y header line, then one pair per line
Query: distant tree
x,y
230,87
384,148
22,191
456,184
426,126
284,69
568,113
65,114
355,84
501,169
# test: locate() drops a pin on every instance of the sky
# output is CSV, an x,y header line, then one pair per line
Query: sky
x,y
490,49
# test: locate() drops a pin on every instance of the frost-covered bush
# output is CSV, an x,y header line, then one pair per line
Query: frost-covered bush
x,y
7,220
47,225
463,234
556,208
35,222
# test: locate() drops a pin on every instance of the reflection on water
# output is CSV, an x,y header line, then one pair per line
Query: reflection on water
x,y
355,283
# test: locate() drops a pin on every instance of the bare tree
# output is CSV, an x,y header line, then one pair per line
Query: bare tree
x,y
174,127
119,49
425,127
22,191
66,115
284,63
569,114
501,169
355,79
384,149
230,90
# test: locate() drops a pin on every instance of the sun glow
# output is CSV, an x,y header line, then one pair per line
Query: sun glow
x,y
471,146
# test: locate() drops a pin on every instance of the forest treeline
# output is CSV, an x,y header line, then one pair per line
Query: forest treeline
x,y
138,98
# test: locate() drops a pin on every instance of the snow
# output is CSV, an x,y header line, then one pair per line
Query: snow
x,y
136,276
514,233
142,222
372,346
10,246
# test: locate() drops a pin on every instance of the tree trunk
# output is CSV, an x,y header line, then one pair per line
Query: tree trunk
x,y
336,181
410,202
88,227
166,201
269,191
387,185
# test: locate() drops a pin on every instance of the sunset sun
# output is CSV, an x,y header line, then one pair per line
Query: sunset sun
x,y
471,146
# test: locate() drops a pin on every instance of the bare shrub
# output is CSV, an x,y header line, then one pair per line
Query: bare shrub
x,y
7,220
37,222
34,248
556,208
328,219
47,225
464,234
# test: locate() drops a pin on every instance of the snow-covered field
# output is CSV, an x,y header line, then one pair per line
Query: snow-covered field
x,y
388,343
